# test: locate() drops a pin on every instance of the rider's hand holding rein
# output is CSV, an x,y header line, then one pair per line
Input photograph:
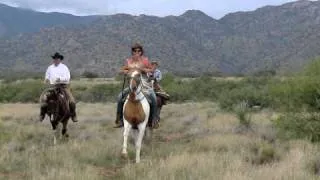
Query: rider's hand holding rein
x,y
58,80
126,69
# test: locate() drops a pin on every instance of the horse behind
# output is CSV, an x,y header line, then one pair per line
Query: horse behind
x,y
161,101
135,112
58,109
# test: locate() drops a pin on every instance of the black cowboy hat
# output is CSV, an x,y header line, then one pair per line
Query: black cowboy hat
x,y
57,56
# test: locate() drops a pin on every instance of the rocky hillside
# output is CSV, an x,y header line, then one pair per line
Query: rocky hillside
x,y
281,38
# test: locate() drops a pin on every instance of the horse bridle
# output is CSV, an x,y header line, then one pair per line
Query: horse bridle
x,y
136,78
57,91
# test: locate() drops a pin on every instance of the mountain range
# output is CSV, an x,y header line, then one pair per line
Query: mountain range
x,y
278,38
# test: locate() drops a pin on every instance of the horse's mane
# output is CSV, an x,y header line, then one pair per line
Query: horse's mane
x,y
59,100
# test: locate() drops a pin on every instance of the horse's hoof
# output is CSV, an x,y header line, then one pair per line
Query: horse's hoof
x,y
74,119
41,118
66,135
156,125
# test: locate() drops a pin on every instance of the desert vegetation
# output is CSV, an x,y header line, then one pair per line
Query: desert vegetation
x,y
264,127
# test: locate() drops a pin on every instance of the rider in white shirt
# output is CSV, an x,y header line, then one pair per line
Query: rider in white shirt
x,y
57,73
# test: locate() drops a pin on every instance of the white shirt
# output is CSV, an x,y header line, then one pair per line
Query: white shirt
x,y
60,71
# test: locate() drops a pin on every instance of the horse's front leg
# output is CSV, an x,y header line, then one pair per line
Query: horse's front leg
x,y
64,128
142,128
54,130
126,132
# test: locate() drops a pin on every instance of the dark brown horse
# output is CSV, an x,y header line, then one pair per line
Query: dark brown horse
x,y
161,100
58,109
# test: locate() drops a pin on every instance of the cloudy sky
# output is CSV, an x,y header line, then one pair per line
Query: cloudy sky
x,y
214,8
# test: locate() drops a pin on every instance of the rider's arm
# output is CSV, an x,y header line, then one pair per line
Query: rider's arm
x,y
124,69
65,75
148,67
158,75
47,76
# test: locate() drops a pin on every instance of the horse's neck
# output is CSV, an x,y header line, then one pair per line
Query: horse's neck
x,y
136,96
139,96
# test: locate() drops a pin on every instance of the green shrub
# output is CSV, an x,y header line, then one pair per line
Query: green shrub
x,y
23,91
88,74
262,153
299,125
100,93
253,92
243,114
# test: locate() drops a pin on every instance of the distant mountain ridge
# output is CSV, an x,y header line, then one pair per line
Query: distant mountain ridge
x,y
281,38
17,20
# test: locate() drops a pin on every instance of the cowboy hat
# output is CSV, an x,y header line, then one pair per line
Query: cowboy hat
x,y
137,46
155,62
57,56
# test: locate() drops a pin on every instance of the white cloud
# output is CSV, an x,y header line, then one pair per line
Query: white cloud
x,y
214,8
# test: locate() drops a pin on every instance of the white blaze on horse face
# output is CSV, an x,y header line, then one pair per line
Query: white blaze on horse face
x,y
134,84
132,75
131,82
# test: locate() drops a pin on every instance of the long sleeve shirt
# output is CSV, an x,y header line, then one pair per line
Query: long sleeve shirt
x,y
157,75
60,71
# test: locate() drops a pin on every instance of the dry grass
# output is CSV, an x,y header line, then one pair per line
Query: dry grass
x,y
195,141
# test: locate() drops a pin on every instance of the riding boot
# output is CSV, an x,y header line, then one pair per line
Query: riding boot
x,y
118,121
119,115
73,113
154,110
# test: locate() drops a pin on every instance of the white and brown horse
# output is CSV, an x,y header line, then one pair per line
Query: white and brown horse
x,y
136,112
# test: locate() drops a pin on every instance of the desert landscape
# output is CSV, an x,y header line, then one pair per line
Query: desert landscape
x,y
195,141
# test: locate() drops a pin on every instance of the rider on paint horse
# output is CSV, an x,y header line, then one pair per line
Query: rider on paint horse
x,y
138,60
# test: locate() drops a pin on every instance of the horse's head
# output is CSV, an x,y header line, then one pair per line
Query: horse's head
x,y
134,77
52,95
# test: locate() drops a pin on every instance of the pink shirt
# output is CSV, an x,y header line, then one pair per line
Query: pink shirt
x,y
145,62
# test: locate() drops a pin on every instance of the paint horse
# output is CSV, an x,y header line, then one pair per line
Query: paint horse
x,y
136,112
58,110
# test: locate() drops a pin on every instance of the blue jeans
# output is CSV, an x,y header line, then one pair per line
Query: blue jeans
x,y
153,106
